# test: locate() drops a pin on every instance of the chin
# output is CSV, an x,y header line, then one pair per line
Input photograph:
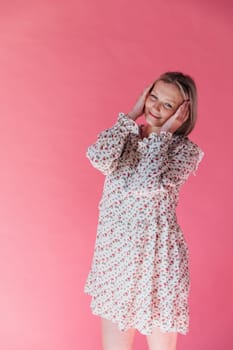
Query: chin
x,y
150,120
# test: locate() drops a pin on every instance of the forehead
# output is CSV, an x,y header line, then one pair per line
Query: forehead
x,y
168,91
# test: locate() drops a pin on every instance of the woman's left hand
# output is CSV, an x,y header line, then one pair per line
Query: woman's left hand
x,y
178,118
138,108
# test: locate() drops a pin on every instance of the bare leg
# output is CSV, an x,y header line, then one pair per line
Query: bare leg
x,y
161,341
114,339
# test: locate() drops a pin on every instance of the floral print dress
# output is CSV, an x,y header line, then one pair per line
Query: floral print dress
x,y
139,276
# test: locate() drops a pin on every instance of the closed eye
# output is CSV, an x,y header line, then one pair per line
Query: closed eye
x,y
167,105
153,96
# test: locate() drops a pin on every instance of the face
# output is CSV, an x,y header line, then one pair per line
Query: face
x,y
161,103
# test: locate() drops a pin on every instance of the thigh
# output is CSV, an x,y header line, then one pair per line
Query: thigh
x,y
159,340
114,339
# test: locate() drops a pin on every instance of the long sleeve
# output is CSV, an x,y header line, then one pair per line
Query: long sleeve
x,y
106,151
183,162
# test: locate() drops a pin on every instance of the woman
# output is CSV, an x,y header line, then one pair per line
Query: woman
x,y
139,277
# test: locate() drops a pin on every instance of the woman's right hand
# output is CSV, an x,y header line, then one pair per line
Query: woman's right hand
x,y
178,118
138,108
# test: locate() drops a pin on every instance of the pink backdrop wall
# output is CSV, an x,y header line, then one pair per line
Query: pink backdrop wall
x,y
66,69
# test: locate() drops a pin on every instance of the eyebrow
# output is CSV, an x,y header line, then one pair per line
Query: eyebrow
x,y
166,99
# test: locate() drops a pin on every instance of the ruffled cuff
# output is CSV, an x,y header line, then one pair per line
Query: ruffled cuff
x,y
199,159
162,136
127,123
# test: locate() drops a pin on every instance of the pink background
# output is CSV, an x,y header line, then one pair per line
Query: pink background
x,y
66,69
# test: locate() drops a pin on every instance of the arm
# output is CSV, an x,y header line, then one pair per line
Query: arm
x,y
184,161
106,151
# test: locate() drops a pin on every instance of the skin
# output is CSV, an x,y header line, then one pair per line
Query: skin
x,y
114,339
165,108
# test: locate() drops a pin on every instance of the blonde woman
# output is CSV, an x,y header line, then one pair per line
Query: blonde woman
x,y
139,278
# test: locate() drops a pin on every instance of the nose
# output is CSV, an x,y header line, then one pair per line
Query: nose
x,y
156,106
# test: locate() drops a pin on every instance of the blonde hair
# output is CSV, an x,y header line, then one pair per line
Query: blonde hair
x,y
188,90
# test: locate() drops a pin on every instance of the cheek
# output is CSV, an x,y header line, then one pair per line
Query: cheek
x,y
147,104
167,114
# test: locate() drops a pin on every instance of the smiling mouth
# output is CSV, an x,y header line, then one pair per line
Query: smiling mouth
x,y
154,116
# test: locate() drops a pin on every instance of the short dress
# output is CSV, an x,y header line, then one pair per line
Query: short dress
x,y
139,276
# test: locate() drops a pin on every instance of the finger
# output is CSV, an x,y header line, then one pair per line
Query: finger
x,y
180,113
172,119
182,109
150,85
182,118
184,104
186,116
187,108
179,116
147,89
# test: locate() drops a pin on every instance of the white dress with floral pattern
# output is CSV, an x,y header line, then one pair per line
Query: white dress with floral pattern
x,y
139,277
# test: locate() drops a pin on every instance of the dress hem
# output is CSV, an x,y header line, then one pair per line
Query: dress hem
x,y
135,326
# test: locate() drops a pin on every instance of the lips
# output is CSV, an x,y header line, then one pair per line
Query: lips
x,y
154,116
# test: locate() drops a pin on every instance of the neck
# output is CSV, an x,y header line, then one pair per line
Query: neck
x,y
148,129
